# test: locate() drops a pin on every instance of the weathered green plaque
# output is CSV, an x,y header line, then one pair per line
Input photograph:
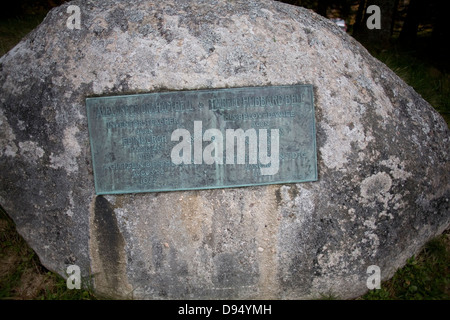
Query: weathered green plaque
x,y
202,139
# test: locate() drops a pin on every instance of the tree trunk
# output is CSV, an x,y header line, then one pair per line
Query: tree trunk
x,y
376,37
359,18
409,31
441,27
322,7
394,17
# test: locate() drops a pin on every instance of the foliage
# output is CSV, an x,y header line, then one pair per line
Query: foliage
x,y
21,274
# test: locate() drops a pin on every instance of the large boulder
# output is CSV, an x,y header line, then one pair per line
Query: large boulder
x,y
383,155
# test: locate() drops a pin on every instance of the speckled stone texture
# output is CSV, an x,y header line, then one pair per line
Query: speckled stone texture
x,y
383,155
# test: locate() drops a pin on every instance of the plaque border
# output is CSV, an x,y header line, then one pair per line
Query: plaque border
x,y
115,192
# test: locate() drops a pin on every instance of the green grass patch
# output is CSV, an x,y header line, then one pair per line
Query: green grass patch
x,y
427,80
424,277
59,291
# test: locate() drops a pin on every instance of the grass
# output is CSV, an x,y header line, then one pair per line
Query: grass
x,y
21,274
425,276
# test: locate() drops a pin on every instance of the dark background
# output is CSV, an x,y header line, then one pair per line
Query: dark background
x,y
420,25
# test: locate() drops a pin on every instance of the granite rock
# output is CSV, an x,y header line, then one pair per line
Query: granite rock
x,y
383,155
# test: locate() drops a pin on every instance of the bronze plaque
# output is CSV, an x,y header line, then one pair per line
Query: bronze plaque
x,y
202,139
